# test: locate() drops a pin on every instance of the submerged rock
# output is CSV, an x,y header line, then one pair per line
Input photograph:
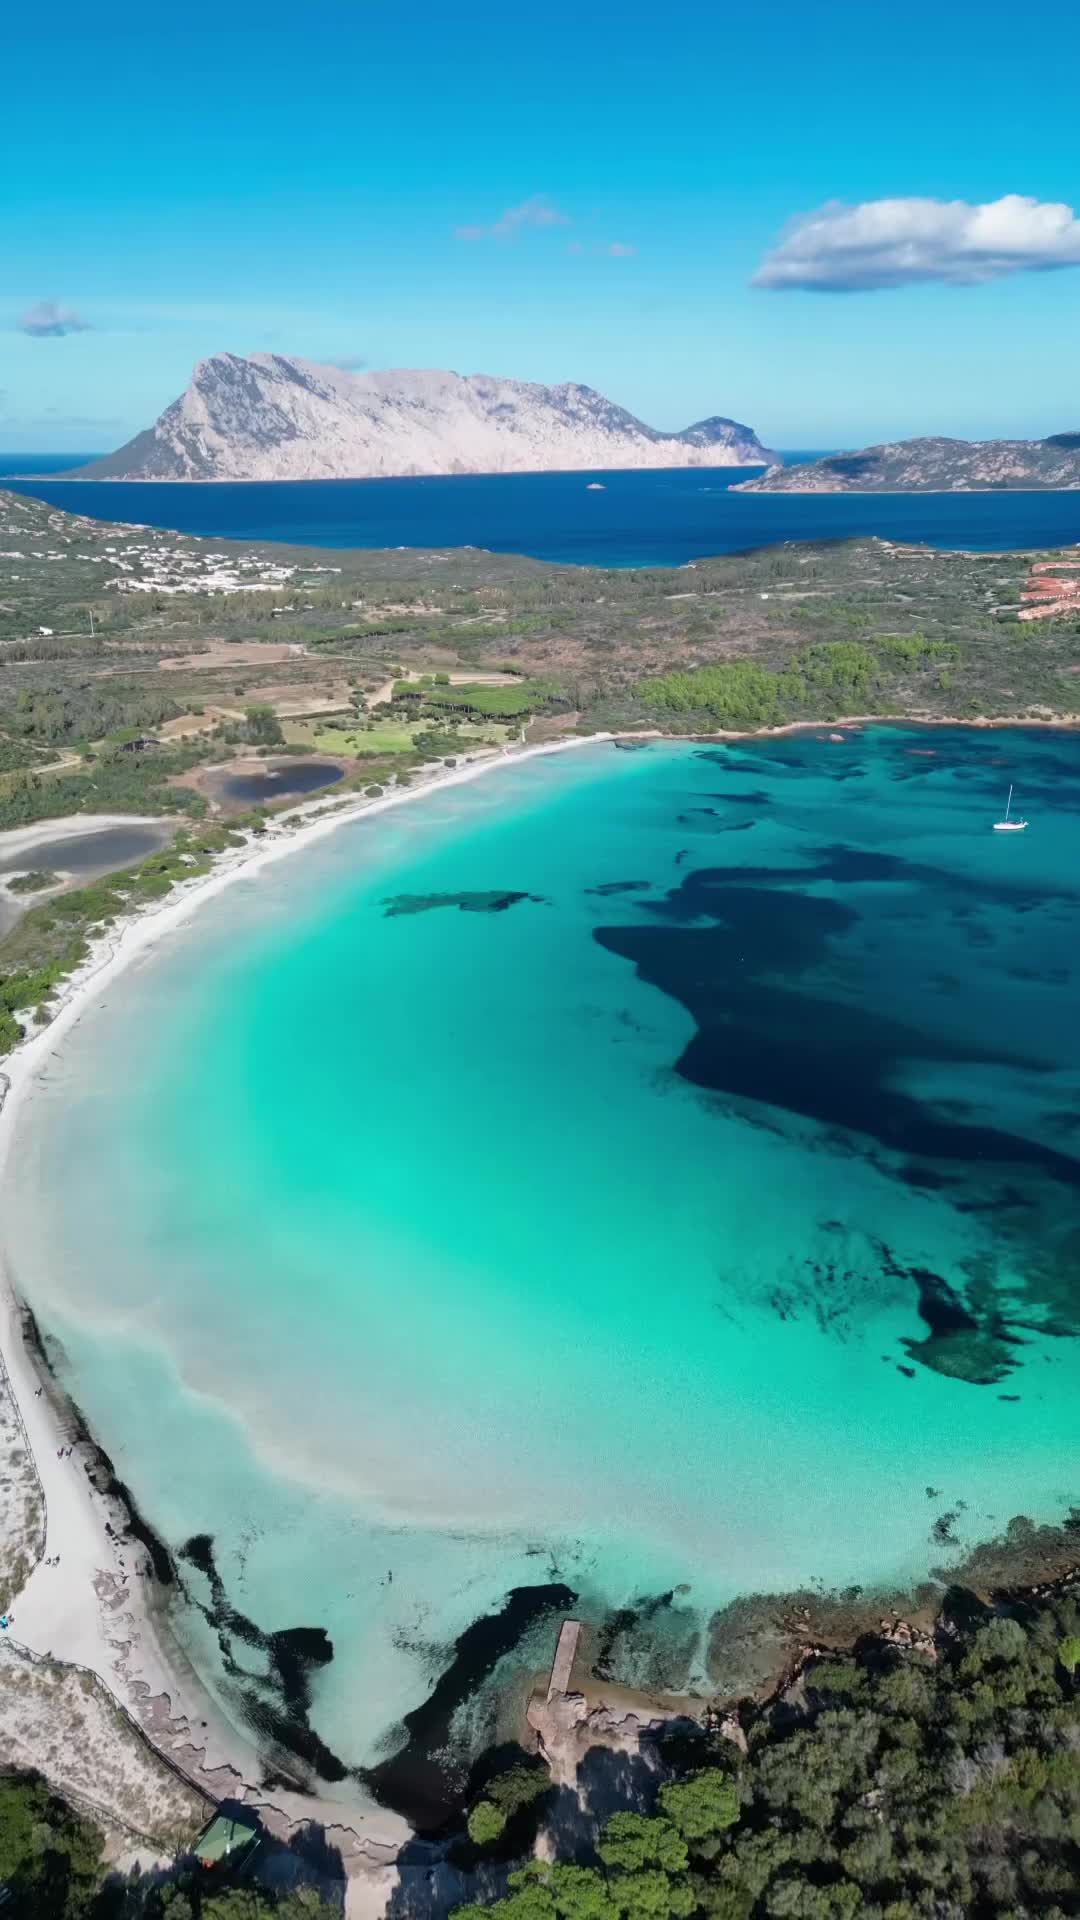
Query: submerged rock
x,y
495,901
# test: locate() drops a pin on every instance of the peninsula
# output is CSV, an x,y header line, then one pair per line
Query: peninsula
x,y
934,465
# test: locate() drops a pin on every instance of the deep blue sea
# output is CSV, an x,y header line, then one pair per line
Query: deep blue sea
x,y
664,518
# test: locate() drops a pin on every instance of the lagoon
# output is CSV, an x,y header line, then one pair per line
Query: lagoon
x,y
638,1179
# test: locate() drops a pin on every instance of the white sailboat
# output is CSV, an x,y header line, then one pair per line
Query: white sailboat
x,y
1009,825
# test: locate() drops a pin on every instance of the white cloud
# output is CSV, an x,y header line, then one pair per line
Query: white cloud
x,y
536,212
350,363
890,243
47,321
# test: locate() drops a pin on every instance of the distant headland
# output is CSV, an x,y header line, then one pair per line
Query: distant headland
x,y
270,417
934,465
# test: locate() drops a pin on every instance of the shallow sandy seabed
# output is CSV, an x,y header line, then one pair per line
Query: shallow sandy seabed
x,y
95,1609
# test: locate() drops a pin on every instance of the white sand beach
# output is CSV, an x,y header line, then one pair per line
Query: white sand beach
x,y
90,1599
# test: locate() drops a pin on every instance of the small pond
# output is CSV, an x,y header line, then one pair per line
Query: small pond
x,y
277,782
101,850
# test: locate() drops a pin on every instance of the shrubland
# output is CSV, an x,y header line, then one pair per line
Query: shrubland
x,y
884,1785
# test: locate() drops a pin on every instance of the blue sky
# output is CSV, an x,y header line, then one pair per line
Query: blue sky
x,y
256,179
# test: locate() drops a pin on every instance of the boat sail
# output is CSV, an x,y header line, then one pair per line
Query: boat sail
x,y
1009,825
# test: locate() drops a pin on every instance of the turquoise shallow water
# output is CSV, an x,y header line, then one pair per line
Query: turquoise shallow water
x,y
631,1235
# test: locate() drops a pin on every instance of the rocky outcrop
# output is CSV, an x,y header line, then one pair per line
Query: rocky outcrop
x,y
267,417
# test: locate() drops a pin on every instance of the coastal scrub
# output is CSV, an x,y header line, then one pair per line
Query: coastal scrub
x,y
888,1785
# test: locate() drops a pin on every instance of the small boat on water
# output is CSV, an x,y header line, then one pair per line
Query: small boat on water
x,y
1009,825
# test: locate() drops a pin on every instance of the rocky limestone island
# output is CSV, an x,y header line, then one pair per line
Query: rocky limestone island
x,y
268,417
934,466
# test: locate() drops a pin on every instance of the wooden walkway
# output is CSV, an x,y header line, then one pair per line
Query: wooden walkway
x,y
565,1653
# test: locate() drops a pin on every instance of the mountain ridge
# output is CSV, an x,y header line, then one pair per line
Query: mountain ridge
x,y
276,417
934,464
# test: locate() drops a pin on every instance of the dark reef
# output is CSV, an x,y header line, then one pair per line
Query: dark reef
x,y
620,886
492,902
424,1779
777,967
276,1704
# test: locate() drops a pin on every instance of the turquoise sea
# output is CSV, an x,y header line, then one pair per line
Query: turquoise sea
x,y
631,1180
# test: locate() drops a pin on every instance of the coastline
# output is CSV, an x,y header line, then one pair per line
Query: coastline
x,y
974,723
754,490
98,1609
285,833
310,820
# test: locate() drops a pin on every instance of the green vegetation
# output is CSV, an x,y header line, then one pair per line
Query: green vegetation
x,y
35,881
504,1798
50,1858
486,1823
52,1868
239,1903
794,632
89,710
385,737
134,783
736,693
19,753
263,727
799,632
889,1785
823,681
485,703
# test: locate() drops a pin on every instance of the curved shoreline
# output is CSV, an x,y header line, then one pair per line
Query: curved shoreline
x,y
73,1621
92,1614
138,932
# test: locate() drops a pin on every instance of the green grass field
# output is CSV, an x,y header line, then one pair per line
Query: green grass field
x,y
387,737
356,740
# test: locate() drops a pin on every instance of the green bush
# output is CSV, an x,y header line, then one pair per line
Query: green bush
x,y
631,1841
704,1805
49,1855
486,1823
